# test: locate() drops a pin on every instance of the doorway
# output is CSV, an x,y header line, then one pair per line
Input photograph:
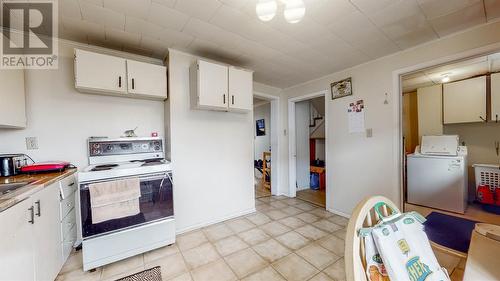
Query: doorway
x,y
265,119
455,101
307,126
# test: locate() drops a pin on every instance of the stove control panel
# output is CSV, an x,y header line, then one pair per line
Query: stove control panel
x,y
107,147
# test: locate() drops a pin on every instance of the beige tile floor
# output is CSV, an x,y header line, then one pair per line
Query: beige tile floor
x,y
286,239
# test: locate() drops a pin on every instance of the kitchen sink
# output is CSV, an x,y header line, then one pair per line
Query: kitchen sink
x,y
10,187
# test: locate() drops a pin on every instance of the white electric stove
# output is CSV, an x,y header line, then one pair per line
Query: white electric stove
x,y
120,238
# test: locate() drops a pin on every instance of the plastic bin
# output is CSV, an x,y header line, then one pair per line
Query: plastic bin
x,y
487,175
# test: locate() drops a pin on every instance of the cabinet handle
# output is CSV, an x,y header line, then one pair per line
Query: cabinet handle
x,y
32,214
496,118
232,99
133,83
224,98
119,81
481,117
38,212
71,184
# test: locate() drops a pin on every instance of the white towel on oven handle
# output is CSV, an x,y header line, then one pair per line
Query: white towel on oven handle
x,y
114,199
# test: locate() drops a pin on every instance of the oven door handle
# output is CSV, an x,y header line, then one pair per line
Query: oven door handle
x,y
167,175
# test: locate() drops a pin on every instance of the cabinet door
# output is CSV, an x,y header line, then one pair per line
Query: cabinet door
x,y
240,89
147,79
13,106
430,111
16,243
99,73
48,240
495,96
212,85
465,101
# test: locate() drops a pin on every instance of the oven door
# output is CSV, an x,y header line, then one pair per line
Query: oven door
x,y
155,203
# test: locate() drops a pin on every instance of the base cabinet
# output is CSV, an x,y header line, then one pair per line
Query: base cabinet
x,y
31,244
17,257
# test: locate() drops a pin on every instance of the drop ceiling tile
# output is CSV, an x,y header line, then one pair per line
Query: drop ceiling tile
x,y
168,3
135,8
70,9
167,17
95,2
492,9
304,31
433,9
231,19
195,9
415,37
235,3
176,39
155,45
140,26
327,11
370,7
400,18
122,37
459,20
210,32
82,27
103,16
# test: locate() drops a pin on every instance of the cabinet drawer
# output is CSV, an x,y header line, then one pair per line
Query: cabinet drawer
x,y
67,244
68,187
66,205
67,224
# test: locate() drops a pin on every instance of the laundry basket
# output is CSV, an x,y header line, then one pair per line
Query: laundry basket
x,y
487,175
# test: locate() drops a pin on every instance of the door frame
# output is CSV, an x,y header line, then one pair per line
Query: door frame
x,y
397,86
275,144
292,147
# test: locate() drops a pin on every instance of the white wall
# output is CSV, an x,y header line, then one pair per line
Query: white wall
x,y
430,111
302,113
62,118
212,154
358,166
262,143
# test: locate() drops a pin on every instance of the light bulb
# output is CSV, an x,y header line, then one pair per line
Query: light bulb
x,y
446,78
266,9
294,11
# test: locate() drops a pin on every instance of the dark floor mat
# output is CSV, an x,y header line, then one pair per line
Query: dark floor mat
x,y
449,231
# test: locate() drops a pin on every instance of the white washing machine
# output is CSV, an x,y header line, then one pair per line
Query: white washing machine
x,y
437,174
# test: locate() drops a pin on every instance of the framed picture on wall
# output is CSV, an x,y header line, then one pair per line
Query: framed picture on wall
x,y
260,126
341,88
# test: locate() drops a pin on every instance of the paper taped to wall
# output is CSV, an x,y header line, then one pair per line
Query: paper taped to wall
x,y
356,117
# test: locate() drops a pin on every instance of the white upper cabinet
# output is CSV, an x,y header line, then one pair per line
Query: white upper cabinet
x,y
220,87
210,84
430,113
240,89
12,99
104,74
100,73
465,101
147,79
495,96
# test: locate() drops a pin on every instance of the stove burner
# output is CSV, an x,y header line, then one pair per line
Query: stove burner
x,y
104,167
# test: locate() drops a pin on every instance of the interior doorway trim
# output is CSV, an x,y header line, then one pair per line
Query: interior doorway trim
x,y
275,145
292,147
397,87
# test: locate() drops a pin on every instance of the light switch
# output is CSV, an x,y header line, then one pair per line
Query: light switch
x,y
31,143
369,132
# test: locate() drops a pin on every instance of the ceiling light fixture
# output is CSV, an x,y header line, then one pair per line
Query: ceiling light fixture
x,y
445,78
294,10
266,9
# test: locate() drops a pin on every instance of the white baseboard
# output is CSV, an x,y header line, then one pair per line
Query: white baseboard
x,y
200,225
348,216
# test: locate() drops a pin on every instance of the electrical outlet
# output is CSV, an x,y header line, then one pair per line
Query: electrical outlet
x,y
31,143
